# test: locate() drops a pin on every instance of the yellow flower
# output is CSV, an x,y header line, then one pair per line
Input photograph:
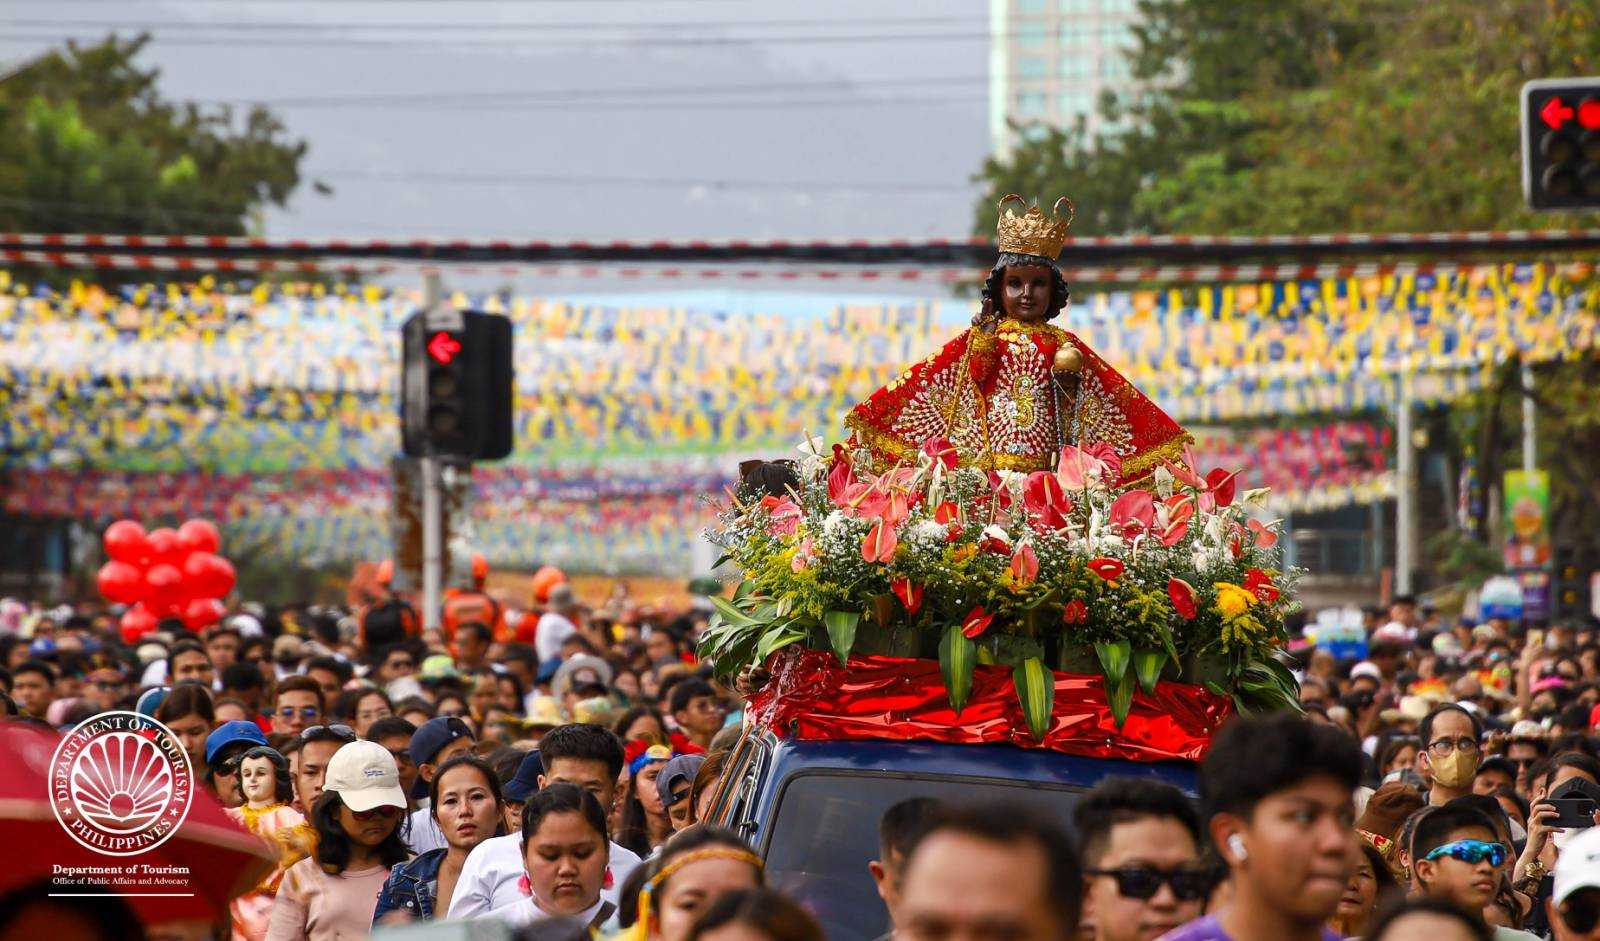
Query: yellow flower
x,y
1232,600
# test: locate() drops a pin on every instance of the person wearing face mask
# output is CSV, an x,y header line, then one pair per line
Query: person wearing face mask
x,y
1450,752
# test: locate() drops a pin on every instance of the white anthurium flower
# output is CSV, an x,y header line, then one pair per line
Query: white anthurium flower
x,y
813,453
1163,481
1256,496
1216,527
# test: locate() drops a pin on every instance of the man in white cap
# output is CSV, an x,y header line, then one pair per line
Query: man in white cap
x,y
1574,905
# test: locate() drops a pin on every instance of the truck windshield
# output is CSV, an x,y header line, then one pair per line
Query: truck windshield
x,y
824,832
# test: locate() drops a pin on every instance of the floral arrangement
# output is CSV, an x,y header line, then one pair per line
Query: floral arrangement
x,y
1172,579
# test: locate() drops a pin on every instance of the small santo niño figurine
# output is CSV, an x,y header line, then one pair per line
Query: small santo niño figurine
x,y
1013,389
264,779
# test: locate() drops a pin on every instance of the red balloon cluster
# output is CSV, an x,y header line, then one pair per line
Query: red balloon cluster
x,y
165,573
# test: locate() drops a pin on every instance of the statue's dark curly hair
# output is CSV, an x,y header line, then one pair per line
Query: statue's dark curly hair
x,y
1059,295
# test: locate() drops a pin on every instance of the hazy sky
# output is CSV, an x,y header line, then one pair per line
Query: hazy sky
x,y
566,118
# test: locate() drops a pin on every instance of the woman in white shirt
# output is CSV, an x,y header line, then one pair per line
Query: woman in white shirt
x,y
565,849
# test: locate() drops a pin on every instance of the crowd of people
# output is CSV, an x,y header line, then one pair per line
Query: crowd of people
x,y
564,766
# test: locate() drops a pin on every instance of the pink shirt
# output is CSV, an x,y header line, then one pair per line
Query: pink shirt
x,y
314,906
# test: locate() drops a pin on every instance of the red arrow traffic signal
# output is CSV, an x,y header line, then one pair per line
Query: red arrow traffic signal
x,y
443,348
1556,113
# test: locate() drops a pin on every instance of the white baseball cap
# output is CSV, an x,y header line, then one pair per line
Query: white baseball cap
x,y
1367,669
365,776
1578,866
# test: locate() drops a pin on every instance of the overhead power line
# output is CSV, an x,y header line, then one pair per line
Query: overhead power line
x,y
493,26
519,42
590,92
540,179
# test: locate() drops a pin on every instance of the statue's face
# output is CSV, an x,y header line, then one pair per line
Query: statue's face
x,y
1025,292
258,777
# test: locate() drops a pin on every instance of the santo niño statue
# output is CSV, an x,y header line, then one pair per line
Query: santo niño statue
x,y
1013,389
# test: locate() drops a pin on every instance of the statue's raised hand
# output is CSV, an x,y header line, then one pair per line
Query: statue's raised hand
x,y
986,318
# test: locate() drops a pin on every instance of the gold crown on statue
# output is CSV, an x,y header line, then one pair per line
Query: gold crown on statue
x,y
1033,233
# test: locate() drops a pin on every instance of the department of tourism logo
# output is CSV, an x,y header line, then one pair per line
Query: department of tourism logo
x,y
120,783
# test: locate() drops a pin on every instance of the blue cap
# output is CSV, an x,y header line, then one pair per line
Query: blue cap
x,y
547,670
229,732
151,700
434,735
526,781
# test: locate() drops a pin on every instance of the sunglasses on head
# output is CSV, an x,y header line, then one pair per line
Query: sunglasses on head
x,y
1143,882
1471,851
338,728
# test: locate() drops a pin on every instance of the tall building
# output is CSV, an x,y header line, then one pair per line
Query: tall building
x,y
1049,61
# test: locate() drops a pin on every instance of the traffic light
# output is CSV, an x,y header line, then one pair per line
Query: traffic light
x,y
1561,143
456,384
1571,587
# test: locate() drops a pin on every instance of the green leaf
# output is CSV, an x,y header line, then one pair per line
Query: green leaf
x,y
731,614
1114,661
1147,666
743,590
739,654
957,657
1036,691
842,631
1121,700
722,560
776,638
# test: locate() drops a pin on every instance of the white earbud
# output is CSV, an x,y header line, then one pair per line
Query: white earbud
x,y
1236,844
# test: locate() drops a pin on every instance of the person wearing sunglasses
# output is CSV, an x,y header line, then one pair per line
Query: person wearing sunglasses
x,y
297,704
223,747
334,892
1140,845
1457,857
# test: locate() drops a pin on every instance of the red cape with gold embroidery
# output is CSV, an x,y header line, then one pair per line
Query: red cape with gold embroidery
x,y
994,397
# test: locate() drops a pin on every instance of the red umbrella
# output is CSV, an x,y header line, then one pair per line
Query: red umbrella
x,y
190,876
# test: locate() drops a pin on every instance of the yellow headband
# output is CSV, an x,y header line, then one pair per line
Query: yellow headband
x,y
641,927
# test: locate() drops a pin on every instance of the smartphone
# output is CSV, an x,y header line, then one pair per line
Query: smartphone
x,y
1575,813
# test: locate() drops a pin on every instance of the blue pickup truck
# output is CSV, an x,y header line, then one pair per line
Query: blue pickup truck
x,y
811,808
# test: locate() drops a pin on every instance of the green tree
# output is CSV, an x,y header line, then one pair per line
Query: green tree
x,y
1298,116
89,144
1303,116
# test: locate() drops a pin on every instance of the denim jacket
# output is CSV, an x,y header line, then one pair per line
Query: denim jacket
x,y
413,887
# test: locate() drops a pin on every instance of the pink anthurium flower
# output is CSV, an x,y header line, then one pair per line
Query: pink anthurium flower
x,y
879,544
976,622
1134,512
1265,536
1174,533
1024,564
783,515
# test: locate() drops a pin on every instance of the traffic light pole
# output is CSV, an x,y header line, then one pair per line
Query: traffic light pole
x,y
1405,510
432,506
1530,439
